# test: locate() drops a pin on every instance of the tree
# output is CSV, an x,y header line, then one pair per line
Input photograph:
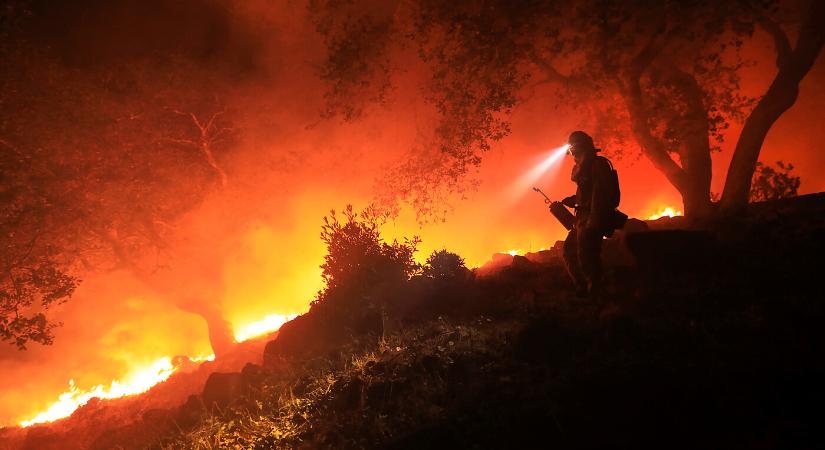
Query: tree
x,y
443,265
96,166
772,183
360,270
793,63
660,76
34,275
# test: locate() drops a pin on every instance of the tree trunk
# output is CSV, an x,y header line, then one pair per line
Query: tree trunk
x,y
781,95
694,152
221,335
692,178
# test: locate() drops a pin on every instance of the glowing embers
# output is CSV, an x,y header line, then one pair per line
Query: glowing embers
x,y
136,382
665,211
266,325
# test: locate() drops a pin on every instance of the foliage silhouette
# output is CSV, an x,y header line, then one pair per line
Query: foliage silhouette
x,y
772,183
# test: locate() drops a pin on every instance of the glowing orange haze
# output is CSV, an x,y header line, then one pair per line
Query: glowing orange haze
x,y
256,249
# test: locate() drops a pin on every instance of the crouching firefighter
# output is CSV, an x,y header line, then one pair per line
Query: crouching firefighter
x,y
597,197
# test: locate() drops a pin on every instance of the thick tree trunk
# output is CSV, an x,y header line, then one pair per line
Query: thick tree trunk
x,y
221,334
782,94
695,150
692,178
696,193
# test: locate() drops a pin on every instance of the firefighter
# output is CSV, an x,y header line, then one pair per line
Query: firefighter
x,y
595,203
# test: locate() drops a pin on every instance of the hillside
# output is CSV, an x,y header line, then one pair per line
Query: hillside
x,y
704,340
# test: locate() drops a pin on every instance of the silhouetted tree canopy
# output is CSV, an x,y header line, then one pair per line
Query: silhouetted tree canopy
x,y
96,164
772,183
444,265
661,77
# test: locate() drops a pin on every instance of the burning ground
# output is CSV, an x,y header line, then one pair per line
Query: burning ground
x,y
505,356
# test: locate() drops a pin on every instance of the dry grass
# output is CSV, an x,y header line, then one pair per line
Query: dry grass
x,y
308,407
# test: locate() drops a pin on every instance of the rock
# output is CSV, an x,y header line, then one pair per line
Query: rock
x,y
252,373
222,389
522,263
191,411
634,226
545,256
156,416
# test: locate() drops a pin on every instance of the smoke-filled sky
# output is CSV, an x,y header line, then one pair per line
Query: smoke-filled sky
x,y
252,248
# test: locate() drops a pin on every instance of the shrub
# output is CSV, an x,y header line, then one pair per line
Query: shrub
x,y
360,270
444,265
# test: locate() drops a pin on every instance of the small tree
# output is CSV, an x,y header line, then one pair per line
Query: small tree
x,y
96,167
771,183
360,270
444,265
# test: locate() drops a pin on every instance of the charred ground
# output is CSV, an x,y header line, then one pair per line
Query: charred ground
x,y
711,339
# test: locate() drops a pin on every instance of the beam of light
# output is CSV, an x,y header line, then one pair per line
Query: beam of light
x,y
550,163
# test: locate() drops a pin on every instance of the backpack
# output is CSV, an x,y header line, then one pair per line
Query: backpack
x,y
613,185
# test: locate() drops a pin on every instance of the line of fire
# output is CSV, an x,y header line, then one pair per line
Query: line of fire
x,y
405,224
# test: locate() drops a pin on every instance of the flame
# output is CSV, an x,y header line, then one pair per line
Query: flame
x,y
266,325
666,211
136,382
142,379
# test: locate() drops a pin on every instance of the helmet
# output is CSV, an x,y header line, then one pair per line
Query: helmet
x,y
580,141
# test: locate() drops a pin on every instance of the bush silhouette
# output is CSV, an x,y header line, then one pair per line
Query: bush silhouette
x,y
444,265
361,272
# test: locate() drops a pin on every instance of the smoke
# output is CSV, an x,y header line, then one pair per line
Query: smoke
x,y
251,248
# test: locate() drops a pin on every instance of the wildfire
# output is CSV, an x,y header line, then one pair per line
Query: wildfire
x,y
136,382
266,325
142,379
667,211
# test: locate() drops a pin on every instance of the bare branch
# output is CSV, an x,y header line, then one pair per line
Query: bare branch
x,y
182,141
552,74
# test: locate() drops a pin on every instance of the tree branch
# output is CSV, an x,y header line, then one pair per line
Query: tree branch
x,y
653,148
552,74
631,90
780,39
781,95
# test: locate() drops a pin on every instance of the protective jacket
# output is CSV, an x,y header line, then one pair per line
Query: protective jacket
x,y
594,199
